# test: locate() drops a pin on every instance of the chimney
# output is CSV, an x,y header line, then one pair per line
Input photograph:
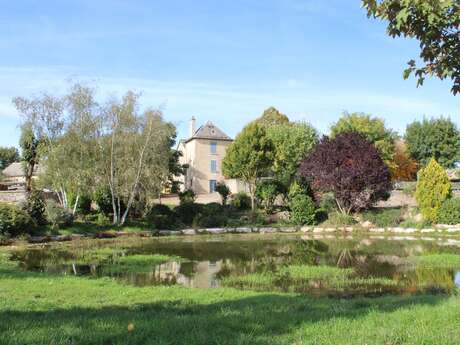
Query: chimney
x,y
192,127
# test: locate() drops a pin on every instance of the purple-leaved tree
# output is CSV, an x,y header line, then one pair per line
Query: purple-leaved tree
x,y
350,167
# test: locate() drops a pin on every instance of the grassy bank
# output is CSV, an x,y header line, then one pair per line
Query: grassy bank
x,y
45,309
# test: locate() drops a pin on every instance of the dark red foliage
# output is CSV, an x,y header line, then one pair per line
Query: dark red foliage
x,y
351,168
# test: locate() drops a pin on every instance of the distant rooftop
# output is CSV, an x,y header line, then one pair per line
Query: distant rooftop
x,y
16,170
209,131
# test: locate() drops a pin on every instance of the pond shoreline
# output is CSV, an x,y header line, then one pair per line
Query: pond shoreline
x,y
315,230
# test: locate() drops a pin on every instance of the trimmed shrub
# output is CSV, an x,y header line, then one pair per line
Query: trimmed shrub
x,y
14,221
241,201
385,218
58,216
433,188
303,210
449,213
161,217
35,207
187,212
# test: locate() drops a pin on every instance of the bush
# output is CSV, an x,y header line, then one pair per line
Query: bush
x,y
103,199
224,191
84,203
327,203
385,218
339,219
303,210
161,217
102,220
433,188
266,193
210,221
58,216
187,196
35,207
14,221
212,209
187,212
241,201
449,213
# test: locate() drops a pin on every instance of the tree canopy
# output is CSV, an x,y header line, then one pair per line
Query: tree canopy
x,y
8,155
84,144
29,146
372,128
350,167
435,24
434,138
291,142
271,117
249,157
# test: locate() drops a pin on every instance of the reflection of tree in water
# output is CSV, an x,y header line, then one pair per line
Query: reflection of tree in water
x,y
308,252
346,258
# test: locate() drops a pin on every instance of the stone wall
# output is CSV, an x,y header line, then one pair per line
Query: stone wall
x,y
13,196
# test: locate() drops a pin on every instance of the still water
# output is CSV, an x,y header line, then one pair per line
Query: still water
x,y
373,266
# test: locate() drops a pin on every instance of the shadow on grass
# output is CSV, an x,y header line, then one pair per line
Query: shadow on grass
x,y
260,319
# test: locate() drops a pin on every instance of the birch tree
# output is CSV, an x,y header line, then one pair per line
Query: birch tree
x,y
134,152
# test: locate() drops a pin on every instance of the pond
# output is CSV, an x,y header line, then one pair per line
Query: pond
x,y
314,265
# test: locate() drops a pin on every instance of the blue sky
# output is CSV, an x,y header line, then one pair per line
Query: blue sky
x,y
224,61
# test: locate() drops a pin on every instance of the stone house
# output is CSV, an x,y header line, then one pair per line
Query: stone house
x,y
203,151
13,182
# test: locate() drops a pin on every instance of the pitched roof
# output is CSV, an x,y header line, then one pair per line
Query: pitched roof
x,y
209,131
16,170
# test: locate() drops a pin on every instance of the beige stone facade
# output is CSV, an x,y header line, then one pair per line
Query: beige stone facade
x,y
204,152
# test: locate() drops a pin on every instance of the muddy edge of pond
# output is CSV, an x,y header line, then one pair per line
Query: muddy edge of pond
x,y
438,229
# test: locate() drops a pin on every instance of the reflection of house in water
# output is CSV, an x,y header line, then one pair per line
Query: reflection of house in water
x,y
190,274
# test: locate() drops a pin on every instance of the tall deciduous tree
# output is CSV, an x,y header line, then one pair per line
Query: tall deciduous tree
x,y
292,142
435,24
350,167
134,152
8,155
29,147
272,116
372,128
249,157
65,127
434,138
404,167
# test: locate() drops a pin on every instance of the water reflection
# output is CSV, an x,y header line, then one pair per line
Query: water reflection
x,y
378,265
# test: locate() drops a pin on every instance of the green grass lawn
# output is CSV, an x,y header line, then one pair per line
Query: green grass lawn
x,y
37,308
